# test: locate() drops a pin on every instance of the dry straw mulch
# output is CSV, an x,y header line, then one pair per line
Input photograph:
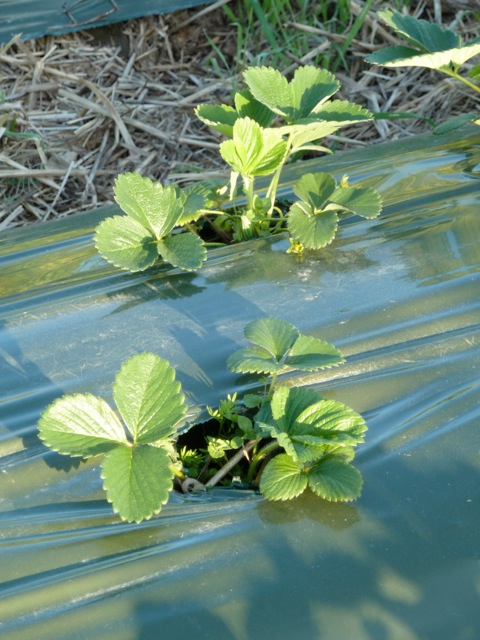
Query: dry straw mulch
x,y
93,104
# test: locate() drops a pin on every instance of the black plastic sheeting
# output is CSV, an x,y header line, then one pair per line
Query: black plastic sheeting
x,y
36,18
399,295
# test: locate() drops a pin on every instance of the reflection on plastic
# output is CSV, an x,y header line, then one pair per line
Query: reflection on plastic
x,y
398,295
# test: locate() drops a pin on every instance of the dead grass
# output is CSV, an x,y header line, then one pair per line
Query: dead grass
x,y
93,104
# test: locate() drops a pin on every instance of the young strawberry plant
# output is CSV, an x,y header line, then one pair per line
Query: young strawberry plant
x,y
282,440
271,123
430,46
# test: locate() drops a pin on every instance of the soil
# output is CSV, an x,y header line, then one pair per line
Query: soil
x,y
79,109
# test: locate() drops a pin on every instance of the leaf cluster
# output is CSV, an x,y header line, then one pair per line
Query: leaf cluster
x,y
272,121
137,464
291,437
316,436
134,242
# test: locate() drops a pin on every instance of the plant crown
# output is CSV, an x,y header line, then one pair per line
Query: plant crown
x,y
282,440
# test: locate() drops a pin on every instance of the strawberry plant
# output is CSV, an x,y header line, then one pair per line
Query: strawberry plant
x,y
271,123
282,440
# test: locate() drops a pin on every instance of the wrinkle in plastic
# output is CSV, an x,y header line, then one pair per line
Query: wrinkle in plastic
x,y
398,295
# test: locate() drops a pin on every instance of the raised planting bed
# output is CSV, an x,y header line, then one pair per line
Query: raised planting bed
x,y
398,295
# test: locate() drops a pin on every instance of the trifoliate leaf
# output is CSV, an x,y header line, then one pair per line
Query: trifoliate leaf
x,y
335,480
310,354
313,230
125,243
148,397
305,424
137,480
253,360
80,425
315,188
151,204
287,405
283,479
218,117
309,88
248,107
365,202
274,335
253,151
184,250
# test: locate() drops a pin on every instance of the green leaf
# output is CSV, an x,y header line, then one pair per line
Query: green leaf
x,y
253,360
314,230
248,107
431,46
274,335
309,88
424,35
193,199
270,88
309,130
310,354
137,480
341,112
455,123
365,202
154,206
332,420
283,479
80,425
218,117
252,400
125,243
474,72
405,57
183,250
253,151
335,480
148,397
288,404
315,188
306,425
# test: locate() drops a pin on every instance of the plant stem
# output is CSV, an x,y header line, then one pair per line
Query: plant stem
x,y
234,460
258,457
272,386
273,186
248,182
457,76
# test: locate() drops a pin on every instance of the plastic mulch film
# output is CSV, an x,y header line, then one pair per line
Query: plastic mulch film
x,y
398,295
35,18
